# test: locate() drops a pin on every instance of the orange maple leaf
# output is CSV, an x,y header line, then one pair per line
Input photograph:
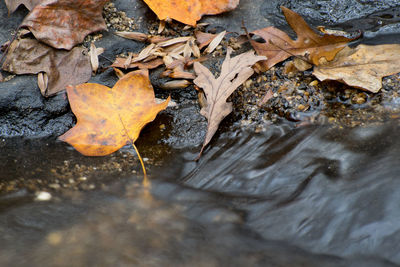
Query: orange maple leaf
x,y
108,119
189,11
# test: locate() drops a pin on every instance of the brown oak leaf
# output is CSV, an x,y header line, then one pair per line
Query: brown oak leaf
x,y
234,72
65,23
28,56
279,46
109,118
363,66
189,11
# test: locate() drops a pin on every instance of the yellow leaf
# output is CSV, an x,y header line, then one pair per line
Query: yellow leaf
x,y
108,119
189,11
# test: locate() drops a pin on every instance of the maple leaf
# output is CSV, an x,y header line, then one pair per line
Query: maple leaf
x,y
363,66
65,23
279,46
28,56
234,72
12,5
107,119
189,11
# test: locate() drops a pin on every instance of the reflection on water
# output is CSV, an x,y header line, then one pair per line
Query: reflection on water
x,y
311,196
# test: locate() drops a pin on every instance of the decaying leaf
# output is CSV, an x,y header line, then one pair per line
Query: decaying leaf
x,y
175,84
363,66
174,41
28,56
137,36
189,11
204,38
12,5
65,23
215,42
94,53
279,46
108,119
120,63
142,37
161,26
43,81
234,72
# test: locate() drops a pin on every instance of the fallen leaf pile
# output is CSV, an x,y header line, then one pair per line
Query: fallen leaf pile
x,y
189,11
234,72
362,67
176,54
109,118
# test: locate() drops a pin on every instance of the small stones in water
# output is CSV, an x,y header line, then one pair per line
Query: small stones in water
x,y
359,98
54,238
42,196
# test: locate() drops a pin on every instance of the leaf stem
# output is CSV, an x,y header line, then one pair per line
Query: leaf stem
x,y
133,144
140,159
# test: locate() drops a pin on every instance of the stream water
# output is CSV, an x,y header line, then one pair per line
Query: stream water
x,y
307,196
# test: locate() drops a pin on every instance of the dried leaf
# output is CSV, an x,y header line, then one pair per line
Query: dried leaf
x,y
179,73
189,11
155,39
161,26
195,48
108,119
137,36
43,81
147,51
278,43
266,97
176,84
12,5
174,41
363,66
167,60
65,23
128,60
215,42
94,56
120,63
187,50
118,72
204,38
234,72
28,56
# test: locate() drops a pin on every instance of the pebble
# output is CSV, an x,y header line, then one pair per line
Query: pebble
x,y
42,196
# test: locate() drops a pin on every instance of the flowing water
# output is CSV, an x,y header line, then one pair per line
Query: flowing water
x,y
307,196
